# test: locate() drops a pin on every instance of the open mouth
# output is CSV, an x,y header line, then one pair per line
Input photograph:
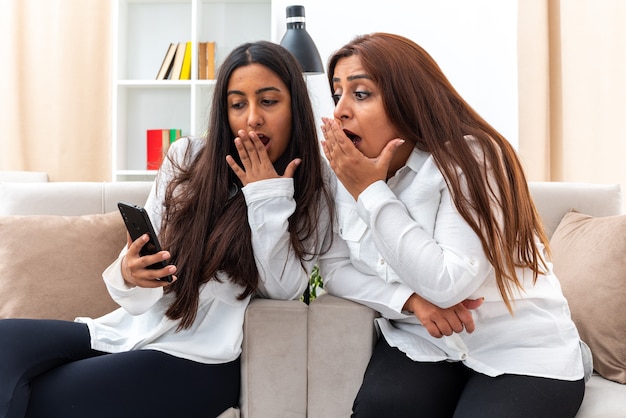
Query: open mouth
x,y
264,139
353,137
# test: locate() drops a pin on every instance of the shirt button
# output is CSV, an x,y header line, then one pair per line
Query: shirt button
x,y
382,262
463,356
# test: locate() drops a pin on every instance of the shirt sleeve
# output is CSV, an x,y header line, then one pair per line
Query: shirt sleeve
x,y
445,266
342,279
137,300
270,204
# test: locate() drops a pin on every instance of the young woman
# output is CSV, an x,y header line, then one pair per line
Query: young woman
x,y
241,212
433,208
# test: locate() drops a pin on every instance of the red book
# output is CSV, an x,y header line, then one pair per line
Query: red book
x,y
154,148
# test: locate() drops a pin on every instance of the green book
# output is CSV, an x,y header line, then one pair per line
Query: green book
x,y
174,134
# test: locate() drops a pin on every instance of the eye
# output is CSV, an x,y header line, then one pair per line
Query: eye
x,y
336,98
238,105
268,102
362,95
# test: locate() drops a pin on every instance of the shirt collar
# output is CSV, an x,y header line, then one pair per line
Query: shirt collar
x,y
416,160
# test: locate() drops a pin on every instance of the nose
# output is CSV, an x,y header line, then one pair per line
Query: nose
x,y
255,118
342,109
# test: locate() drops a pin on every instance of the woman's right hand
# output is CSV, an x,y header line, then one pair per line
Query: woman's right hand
x,y
353,169
255,160
134,266
438,321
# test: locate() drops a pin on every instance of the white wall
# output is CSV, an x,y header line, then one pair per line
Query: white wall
x,y
474,42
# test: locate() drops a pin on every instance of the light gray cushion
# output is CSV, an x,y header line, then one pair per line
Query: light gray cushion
x,y
589,257
341,339
274,359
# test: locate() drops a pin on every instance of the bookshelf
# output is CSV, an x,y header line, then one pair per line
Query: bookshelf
x,y
142,31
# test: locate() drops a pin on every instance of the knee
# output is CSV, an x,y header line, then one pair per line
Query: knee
x,y
375,401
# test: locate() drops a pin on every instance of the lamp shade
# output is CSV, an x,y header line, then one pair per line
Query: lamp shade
x,y
298,41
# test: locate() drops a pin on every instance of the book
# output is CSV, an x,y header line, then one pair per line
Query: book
x,y
158,143
206,60
165,143
174,134
178,61
166,65
154,148
201,60
185,71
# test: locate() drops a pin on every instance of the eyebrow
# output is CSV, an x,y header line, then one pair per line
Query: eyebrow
x,y
259,91
353,77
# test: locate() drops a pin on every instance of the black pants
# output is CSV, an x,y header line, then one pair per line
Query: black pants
x,y
48,369
396,386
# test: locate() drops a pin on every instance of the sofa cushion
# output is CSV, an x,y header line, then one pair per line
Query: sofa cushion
x,y
51,266
589,257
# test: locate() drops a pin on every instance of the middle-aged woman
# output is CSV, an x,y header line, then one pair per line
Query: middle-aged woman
x,y
433,207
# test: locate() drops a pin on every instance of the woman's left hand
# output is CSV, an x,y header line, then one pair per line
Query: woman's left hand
x,y
256,163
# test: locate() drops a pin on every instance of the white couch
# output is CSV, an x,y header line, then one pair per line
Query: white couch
x,y
298,361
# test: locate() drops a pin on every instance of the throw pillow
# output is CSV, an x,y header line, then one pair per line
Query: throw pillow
x,y
589,257
51,266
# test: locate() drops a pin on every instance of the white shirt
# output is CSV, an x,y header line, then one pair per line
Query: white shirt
x,y
406,236
217,332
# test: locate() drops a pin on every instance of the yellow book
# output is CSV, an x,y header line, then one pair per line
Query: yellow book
x,y
185,71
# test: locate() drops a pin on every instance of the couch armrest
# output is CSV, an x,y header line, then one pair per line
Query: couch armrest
x,y
274,359
19,176
341,338
554,199
69,198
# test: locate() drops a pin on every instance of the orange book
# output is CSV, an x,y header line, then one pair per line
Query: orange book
x,y
165,142
201,60
206,60
210,60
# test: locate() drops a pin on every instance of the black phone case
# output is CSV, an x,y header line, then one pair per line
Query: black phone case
x,y
138,223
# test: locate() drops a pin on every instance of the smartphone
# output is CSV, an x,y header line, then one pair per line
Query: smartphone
x,y
138,223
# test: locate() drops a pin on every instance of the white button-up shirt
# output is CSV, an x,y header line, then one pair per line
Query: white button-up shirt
x,y
217,332
406,236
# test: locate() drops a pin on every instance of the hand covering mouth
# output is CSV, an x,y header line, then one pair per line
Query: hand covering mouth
x,y
352,136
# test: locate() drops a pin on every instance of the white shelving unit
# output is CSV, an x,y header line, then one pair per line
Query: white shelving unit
x,y
142,32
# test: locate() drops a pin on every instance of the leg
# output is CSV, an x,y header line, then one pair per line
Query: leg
x,y
396,386
515,396
140,383
30,347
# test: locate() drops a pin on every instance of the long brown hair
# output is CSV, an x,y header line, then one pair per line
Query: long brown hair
x,y
426,109
205,226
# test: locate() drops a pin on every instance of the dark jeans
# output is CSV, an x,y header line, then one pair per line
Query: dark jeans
x,y
48,369
396,386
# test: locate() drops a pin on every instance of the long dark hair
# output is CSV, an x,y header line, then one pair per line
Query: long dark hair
x,y
425,109
205,226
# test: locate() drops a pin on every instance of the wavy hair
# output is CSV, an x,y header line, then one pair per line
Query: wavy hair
x,y
205,226
425,109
